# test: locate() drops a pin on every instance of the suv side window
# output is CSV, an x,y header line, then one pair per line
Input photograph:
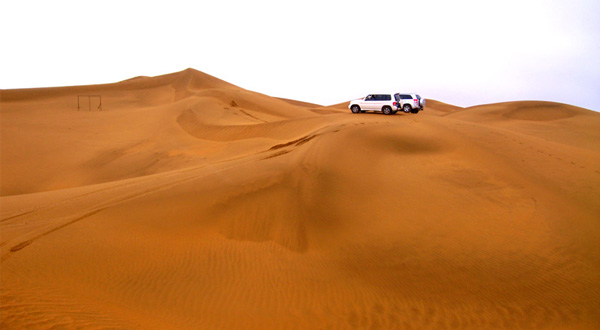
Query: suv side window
x,y
406,97
382,97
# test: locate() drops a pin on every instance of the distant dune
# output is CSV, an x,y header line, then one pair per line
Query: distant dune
x,y
191,203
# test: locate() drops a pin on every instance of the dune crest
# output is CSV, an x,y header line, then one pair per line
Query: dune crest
x,y
191,203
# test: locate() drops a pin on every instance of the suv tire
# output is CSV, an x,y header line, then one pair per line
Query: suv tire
x,y
406,108
386,110
355,109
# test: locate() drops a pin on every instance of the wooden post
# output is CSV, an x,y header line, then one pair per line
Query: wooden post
x,y
89,96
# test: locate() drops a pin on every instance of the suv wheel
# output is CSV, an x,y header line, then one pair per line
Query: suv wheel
x,y
406,108
386,110
355,109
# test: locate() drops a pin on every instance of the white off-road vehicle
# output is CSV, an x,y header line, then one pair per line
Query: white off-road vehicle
x,y
410,102
388,103
385,103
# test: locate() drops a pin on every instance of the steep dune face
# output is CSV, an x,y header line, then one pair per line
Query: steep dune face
x,y
221,208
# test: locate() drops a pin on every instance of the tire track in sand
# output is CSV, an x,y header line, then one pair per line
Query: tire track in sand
x,y
39,222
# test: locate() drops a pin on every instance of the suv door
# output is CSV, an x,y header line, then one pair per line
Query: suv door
x,y
370,102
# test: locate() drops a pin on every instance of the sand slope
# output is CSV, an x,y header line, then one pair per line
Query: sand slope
x,y
190,203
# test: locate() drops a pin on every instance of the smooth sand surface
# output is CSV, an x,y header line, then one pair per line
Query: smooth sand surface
x,y
191,203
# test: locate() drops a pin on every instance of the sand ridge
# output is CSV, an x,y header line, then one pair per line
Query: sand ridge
x,y
192,203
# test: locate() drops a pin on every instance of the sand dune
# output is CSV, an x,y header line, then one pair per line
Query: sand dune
x,y
191,203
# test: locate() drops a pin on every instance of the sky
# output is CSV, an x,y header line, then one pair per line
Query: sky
x,y
462,52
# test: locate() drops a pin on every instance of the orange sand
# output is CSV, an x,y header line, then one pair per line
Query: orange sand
x,y
190,203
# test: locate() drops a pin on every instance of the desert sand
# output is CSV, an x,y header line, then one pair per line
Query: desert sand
x,y
191,203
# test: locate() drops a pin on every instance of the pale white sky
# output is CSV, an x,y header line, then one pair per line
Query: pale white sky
x,y
463,52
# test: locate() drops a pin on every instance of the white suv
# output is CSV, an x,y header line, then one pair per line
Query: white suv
x,y
388,103
385,103
410,102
